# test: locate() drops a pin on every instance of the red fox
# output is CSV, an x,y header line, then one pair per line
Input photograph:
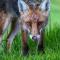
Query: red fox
x,y
34,17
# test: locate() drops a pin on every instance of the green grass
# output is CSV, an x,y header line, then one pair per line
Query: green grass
x,y
51,41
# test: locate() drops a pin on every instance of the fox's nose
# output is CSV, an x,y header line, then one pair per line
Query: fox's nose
x,y
37,37
34,38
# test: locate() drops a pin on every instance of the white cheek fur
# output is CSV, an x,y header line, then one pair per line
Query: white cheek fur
x,y
24,6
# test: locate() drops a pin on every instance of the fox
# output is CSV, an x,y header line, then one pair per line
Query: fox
x,y
31,16
34,17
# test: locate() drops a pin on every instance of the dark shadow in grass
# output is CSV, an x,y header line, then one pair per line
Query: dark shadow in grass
x,y
52,39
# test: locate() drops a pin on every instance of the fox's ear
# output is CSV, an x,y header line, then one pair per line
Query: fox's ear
x,y
23,7
45,5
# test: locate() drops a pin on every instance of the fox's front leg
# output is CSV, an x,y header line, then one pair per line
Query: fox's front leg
x,y
24,42
41,42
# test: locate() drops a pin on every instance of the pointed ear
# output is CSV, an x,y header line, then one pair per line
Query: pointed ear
x,y
22,5
45,5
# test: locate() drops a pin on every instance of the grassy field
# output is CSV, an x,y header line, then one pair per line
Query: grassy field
x,y
51,40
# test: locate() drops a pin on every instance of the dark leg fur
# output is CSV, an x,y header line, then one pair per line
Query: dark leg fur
x,y
41,43
24,40
25,50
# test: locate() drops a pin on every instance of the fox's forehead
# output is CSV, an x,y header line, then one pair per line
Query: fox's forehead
x,y
33,1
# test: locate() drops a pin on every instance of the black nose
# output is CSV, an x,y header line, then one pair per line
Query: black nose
x,y
34,38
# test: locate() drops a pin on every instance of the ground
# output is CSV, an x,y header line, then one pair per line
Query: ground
x,y
51,41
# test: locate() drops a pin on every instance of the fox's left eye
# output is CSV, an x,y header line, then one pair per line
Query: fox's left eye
x,y
29,24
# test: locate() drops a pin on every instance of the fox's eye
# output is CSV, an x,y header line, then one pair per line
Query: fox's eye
x,y
37,4
29,24
30,6
40,23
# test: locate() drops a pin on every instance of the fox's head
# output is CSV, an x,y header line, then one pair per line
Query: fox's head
x,y
33,16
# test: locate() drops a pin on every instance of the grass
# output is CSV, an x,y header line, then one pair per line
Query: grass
x,y
51,41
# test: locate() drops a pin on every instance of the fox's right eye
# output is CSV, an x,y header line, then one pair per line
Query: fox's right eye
x,y
30,6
